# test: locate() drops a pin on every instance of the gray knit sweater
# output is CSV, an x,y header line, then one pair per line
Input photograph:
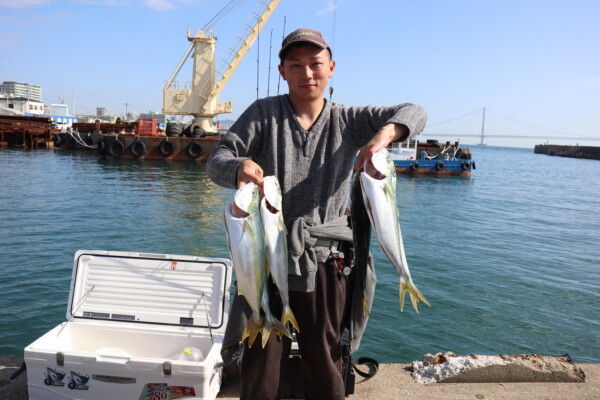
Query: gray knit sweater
x,y
313,167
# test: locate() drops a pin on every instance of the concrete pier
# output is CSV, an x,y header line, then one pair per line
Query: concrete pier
x,y
393,381
589,152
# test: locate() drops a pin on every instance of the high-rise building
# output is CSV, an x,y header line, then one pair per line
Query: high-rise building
x,y
20,89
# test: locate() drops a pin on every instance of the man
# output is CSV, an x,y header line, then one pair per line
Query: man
x,y
310,145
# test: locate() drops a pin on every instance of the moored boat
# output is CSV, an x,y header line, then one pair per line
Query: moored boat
x,y
431,158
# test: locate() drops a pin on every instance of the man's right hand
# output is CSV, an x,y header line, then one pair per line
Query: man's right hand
x,y
249,171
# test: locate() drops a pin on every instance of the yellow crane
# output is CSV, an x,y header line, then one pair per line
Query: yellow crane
x,y
208,82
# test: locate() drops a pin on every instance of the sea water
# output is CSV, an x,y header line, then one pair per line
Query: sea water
x,y
509,259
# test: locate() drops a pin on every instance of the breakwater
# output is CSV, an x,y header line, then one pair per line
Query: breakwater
x,y
590,152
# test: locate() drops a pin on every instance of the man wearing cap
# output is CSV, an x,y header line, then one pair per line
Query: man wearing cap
x,y
311,146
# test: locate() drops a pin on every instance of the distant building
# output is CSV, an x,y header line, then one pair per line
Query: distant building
x,y
159,117
60,110
20,89
60,116
101,111
21,105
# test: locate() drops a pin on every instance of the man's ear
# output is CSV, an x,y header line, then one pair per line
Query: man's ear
x,y
281,71
331,68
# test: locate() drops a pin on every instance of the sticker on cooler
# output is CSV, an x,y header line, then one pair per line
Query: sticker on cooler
x,y
162,391
54,377
78,381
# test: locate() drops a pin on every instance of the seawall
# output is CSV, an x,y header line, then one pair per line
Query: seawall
x,y
590,152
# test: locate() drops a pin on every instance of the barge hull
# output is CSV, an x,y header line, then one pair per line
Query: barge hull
x,y
142,147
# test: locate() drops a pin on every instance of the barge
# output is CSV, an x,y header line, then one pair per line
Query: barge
x,y
26,132
432,158
138,140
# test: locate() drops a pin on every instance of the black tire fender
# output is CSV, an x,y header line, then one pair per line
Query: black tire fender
x,y
194,150
415,166
138,148
166,148
115,149
101,146
71,142
439,166
466,165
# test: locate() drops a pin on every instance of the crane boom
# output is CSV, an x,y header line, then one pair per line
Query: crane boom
x,y
238,56
207,83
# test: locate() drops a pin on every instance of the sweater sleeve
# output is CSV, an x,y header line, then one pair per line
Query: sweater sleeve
x,y
366,121
243,138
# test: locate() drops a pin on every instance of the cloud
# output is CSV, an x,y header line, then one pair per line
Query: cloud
x,y
58,16
331,6
22,3
104,2
159,5
8,40
594,81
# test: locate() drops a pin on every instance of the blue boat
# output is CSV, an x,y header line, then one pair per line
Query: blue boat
x,y
449,159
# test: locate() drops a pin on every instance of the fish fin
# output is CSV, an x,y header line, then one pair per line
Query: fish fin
x,y
288,316
365,305
415,294
253,327
388,193
248,227
265,332
246,333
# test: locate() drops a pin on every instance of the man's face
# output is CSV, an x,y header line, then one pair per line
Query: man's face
x,y
307,70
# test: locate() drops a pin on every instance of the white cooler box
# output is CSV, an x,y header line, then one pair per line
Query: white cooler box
x,y
129,315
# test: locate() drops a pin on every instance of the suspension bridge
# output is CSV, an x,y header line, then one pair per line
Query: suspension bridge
x,y
483,135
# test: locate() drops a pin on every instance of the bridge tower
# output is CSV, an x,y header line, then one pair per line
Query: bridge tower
x,y
482,128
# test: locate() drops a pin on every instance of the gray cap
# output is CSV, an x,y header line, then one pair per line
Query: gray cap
x,y
305,35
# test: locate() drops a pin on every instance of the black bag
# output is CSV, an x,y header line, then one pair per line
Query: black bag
x,y
290,381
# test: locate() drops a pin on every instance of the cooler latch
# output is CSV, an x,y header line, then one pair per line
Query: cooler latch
x,y
60,359
167,368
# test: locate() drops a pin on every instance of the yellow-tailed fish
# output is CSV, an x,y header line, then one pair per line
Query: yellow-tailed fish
x,y
247,249
276,244
380,199
361,236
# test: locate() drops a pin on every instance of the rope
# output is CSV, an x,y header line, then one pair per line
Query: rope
x,y
75,135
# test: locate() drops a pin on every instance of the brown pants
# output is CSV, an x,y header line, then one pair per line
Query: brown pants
x,y
322,317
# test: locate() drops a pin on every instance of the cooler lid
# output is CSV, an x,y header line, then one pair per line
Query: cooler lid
x,y
150,288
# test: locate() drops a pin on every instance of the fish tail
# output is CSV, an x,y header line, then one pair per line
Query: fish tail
x,y
280,329
265,332
415,294
253,328
288,316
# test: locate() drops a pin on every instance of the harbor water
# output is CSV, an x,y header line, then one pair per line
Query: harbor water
x,y
509,259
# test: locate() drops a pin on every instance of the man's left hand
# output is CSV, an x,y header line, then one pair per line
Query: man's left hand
x,y
386,135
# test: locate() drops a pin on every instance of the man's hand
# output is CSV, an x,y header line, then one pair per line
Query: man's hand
x,y
249,171
386,135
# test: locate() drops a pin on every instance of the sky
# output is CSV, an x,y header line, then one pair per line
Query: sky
x,y
534,65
